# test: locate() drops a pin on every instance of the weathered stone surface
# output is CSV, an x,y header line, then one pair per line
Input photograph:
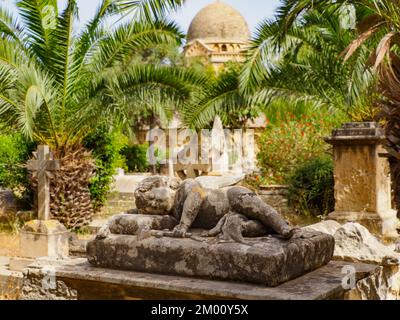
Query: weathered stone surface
x,y
270,261
155,195
196,207
329,227
97,283
129,224
40,284
383,284
362,178
44,226
10,281
19,264
40,238
355,243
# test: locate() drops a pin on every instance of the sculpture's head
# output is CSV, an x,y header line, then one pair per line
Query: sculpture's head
x,y
155,195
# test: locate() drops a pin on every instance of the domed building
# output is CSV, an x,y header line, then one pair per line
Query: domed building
x,y
218,34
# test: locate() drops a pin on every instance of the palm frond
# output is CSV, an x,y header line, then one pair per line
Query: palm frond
x,y
217,97
9,25
39,19
122,92
149,10
130,38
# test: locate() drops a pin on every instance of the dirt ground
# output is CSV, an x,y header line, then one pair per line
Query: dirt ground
x,y
9,244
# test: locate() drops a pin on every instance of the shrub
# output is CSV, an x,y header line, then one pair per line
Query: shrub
x,y
291,141
136,158
105,147
15,151
311,187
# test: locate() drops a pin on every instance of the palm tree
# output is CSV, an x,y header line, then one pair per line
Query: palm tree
x,y
221,96
378,29
58,84
302,64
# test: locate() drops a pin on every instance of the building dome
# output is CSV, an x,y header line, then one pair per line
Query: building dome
x,y
217,23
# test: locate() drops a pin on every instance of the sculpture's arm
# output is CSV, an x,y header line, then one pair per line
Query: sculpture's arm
x,y
191,208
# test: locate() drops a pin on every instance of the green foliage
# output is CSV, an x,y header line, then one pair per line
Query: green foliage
x,y
220,95
311,187
57,83
106,147
292,140
136,158
301,62
14,152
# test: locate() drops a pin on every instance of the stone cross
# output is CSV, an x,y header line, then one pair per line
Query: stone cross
x,y
43,164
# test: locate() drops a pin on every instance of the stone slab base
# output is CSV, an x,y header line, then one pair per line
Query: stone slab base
x,y
81,281
269,261
10,281
19,264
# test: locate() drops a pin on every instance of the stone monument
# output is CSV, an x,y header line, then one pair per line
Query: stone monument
x,y
362,178
42,237
228,234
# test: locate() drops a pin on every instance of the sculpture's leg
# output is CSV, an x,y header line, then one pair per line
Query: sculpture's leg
x,y
217,229
247,203
189,197
254,228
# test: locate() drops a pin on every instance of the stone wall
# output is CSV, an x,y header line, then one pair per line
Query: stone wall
x,y
118,202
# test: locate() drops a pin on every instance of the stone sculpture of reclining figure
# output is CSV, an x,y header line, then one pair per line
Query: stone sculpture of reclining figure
x,y
233,212
140,242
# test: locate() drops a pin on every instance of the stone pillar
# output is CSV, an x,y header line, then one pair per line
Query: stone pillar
x,y
362,178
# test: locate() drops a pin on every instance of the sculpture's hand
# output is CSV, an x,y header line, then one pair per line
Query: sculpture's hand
x,y
180,231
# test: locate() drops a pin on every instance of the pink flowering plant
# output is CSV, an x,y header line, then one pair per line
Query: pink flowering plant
x,y
290,141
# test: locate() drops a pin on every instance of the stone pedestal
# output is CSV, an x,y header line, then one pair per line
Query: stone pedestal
x,y
40,238
362,178
44,239
267,261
